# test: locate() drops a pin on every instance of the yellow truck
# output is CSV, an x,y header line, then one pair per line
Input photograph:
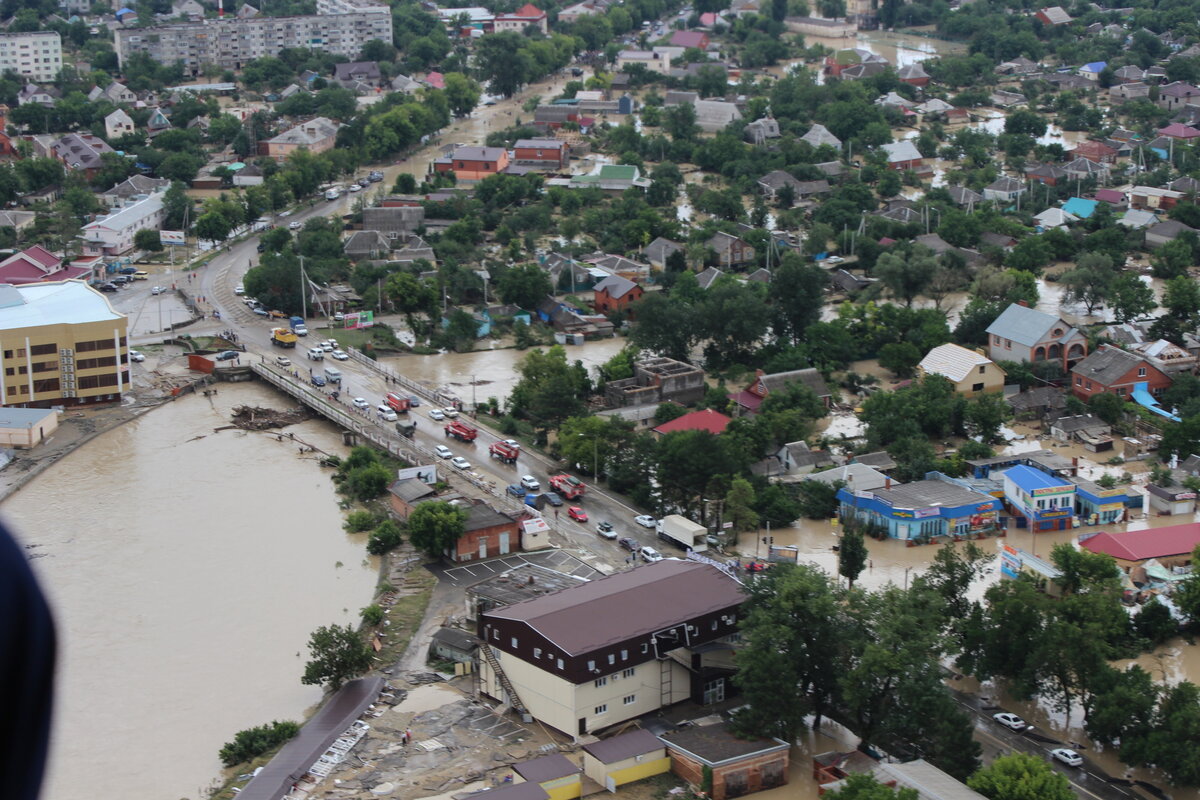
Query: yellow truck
x,y
283,337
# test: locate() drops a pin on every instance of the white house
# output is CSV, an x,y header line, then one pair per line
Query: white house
x,y
117,124
114,234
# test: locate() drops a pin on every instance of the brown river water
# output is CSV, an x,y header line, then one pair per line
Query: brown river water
x,y
187,569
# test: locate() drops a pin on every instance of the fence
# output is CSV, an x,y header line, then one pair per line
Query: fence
x,y
390,375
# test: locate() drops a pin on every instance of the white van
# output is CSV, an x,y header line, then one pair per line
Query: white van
x,y
316,354
332,194
333,375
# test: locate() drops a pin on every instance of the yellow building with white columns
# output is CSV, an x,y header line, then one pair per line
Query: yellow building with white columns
x,y
61,343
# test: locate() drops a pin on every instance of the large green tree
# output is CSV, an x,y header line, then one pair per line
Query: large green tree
x,y
338,653
550,390
434,527
1021,776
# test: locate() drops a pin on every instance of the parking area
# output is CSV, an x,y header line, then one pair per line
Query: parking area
x,y
557,560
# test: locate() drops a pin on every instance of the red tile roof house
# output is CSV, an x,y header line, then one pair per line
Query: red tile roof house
x,y
752,397
523,17
1111,370
713,422
1172,546
1098,152
1179,131
615,293
1177,94
37,264
696,39
473,163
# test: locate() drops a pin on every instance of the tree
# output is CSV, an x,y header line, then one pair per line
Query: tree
x,y
905,278
1121,705
462,93
1088,282
1171,260
865,786
338,654
1021,776
1107,407
384,539
147,240
680,122
550,390
503,59
818,499
410,295
852,554
739,506
213,226
666,326
253,742
798,295
1174,740
984,414
524,286
435,527
901,358
1130,298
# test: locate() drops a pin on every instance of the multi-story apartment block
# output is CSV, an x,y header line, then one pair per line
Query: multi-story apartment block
x,y
113,235
37,56
231,42
61,343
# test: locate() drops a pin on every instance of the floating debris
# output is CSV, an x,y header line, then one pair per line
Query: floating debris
x,y
256,418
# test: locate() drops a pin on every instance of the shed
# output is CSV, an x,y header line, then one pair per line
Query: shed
x,y
738,766
453,645
625,758
557,775
25,428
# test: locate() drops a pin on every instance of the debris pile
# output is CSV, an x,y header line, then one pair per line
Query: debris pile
x,y
256,418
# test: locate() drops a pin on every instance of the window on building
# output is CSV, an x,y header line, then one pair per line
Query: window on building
x,y
600,682
624,655
1088,386
1078,381
560,664
982,369
1008,344
601,709
43,349
15,353
612,659
977,387
514,642
628,673
537,652
629,699
591,665
1141,372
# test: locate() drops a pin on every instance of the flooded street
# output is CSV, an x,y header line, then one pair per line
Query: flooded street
x,y
187,569
492,371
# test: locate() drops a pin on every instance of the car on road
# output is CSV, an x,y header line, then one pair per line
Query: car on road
x,y
375,176
295,225
553,499
576,513
127,270
262,312
458,462
316,354
156,290
283,361
1067,756
451,412
360,402
529,482
227,355
386,413
276,314
436,413
339,355
287,212
140,275
354,187
516,490
628,543
605,530
650,555
107,287
328,346
1010,721
645,520
834,260
443,451
364,182
239,290
134,355
339,317
318,381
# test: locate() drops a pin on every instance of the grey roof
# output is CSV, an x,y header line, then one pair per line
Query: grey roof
x,y
929,782
862,477
626,745
996,239
1026,326
660,249
1085,166
879,460
459,640
809,377
1169,228
357,70
365,242
1106,365
1043,396
717,744
626,605
922,494
546,768
25,418
963,196
901,151
616,286
708,277
523,583
911,71
776,179
481,515
818,135
713,115
1051,171
410,489
1005,184
1078,422
472,153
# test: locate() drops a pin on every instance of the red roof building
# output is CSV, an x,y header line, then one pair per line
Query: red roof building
x,y
1111,196
35,265
1098,152
713,422
523,17
1172,546
1177,130
696,39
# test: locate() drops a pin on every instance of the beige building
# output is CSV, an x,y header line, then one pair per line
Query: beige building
x,y
62,344
25,428
592,656
970,371
34,55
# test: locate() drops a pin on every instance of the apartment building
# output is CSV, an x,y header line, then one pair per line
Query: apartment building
x,y
61,343
114,234
37,56
231,42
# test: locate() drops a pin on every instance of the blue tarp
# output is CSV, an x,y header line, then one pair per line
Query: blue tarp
x,y
1144,398
1080,207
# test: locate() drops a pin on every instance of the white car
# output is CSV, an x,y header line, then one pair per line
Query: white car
x,y
605,530
339,355
650,555
386,414
436,413
134,355
645,520
1010,721
458,462
360,402
156,290
531,483
295,225
239,290
283,361
451,412
1066,756
834,260
287,212
327,347
443,451
354,187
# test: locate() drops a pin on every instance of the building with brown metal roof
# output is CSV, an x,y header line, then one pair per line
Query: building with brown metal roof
x,y
589,657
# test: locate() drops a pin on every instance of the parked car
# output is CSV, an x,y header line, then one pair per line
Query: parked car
x,y
227,355
458,462
576,513
516,490
645,520
629,544
318,381
295,225
121,280
605,530
443,451
436,413
262,312
386,413
240,289
361,402
354,187
1067,756
107,287
134,355
1010,721
340,355
156,290
650,555
140,275
528,481
339,317
283,361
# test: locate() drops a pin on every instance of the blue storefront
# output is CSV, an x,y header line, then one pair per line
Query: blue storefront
x,y
922,510
1099,506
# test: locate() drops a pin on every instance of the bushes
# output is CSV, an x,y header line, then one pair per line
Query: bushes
x,y
385,538
372,615
359,521
254,742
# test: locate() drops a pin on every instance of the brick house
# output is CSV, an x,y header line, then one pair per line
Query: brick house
x,y
1176,95
1096,151
748,400
473,163
522,18
548,153
1028,335
738,766
903,155
406,494
487,533
731,251
615,293
685,39
1111,370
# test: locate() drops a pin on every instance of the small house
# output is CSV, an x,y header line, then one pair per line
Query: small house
x,y
555,773
615,293
1004,189
452,644
625,758
737,766
903,155
1112,370
971,372
26,428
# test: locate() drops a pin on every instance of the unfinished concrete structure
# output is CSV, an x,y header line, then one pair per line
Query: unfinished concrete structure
x,y
657,380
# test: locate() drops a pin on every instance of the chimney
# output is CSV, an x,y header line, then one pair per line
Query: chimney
x,y
887,483
1023,304
530,581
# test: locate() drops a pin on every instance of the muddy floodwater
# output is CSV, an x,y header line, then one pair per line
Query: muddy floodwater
x,y
187,569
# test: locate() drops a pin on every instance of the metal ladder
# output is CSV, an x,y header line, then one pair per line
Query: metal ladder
x,y
513,699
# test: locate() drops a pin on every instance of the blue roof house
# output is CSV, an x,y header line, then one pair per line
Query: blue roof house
x,y
1040,501
922,510
1100,506
1080,207
1092,71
